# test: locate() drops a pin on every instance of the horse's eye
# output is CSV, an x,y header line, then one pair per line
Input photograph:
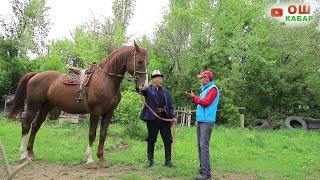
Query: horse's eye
x,y
140,62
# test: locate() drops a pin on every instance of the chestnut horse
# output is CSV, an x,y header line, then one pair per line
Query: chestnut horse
x,y
45,90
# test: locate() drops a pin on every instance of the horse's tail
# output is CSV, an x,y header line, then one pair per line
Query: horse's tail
x,y
21,93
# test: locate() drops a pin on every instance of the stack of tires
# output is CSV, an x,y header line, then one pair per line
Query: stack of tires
x,y
53,115
313,124
295,122
8,105
263,124
291,122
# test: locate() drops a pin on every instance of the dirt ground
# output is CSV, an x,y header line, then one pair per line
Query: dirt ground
x,y
39,170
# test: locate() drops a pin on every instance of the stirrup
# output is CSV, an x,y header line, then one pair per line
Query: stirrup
x,y
79,96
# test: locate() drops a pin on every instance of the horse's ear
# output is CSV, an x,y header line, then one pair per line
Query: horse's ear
x,y
136,47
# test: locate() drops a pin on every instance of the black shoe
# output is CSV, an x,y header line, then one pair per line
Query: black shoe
x,y
169,164
167,151
150,151
149,164
203,177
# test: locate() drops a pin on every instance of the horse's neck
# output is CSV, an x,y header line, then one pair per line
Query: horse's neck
x,y
115,72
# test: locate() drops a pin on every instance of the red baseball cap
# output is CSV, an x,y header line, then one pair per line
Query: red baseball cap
x,y
207,74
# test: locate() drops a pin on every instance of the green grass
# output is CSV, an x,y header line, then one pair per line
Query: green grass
x,y
281,154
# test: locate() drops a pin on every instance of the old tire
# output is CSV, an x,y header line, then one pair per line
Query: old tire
x,y
8,105
313,124
7,110
295,122
262,124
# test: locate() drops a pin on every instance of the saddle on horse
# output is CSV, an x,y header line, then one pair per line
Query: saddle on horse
x,y
81,77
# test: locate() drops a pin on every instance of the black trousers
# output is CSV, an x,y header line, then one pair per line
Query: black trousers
x,y
159,125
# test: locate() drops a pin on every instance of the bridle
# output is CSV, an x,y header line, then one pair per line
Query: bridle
x,y
134,68
135,72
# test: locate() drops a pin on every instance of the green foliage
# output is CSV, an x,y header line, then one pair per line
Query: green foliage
x,y
228,113
28,26
12,66
269,69
23,33
128,112
91,41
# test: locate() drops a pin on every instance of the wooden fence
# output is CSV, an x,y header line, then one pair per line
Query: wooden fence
x,y
184,116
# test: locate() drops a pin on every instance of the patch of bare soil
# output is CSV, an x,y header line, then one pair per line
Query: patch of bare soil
x,y
38,170
232,176
119,148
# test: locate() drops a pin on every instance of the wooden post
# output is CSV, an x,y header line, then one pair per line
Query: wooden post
x,y
184,116
177,115
241,120
241,117
189,118
181,116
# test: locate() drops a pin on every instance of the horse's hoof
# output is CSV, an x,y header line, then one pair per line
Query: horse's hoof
x,y
31,156
91,165
102,164
22,160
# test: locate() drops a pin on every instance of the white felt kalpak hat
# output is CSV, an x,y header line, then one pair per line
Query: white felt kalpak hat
x,y
156,73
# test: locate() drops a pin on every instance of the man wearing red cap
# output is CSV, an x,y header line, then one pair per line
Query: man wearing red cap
x,y
207,104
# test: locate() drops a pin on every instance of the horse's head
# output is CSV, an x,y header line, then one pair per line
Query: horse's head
x,y
137,65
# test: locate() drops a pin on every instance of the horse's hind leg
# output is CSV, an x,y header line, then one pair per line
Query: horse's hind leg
x,y
36,124
26,125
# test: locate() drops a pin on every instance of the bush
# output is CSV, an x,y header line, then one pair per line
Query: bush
x,y
228,113
128,112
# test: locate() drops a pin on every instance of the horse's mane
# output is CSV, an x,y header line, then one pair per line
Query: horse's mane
x,y
117,57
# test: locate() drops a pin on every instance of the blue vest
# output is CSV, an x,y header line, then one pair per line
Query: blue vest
x,y
208,114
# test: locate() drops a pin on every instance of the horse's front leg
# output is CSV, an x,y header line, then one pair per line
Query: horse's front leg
x,y
106,118
94,119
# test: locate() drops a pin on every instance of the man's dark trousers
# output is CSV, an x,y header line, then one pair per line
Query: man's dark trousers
x,y
165,130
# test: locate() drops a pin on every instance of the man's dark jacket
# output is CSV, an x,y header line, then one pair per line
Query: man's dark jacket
x,y
153,101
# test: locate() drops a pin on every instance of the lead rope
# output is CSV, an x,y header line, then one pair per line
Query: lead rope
x,y
173,122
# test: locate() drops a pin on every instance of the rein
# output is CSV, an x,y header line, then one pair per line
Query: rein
x,y
172,120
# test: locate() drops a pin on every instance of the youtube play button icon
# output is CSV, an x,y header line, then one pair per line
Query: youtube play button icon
x,y
276,12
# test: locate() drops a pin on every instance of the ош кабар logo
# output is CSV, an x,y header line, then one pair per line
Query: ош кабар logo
x,y
292,14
